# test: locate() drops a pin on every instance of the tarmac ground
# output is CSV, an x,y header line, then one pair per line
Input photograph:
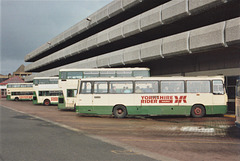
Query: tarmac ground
x,y
158,137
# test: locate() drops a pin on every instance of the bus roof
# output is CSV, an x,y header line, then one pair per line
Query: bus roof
x,y
103,69
19,83
156,78
45,78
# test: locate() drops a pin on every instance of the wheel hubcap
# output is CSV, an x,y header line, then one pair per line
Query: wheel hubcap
x,y
120,111
198,111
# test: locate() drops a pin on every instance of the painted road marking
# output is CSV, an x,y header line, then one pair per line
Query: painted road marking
x,y
232,116
197,129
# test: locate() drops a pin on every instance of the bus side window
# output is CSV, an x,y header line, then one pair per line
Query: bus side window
x,y
146,87
198,86
71,93
124,74
121,87
172,86
100,87
218,87
86,88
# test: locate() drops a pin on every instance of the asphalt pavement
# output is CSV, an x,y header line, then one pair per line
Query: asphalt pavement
x,y
26,138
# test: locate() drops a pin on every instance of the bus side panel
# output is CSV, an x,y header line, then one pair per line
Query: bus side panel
x,y
84,104
216,109
35,98
100,110
9,97
162,104
69,102
160,110
61,102
219,105
214,104
128,100
100,104
26,98
204,99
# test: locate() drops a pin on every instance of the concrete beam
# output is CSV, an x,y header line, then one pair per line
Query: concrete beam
x,y
151,18
103,61
115,33
130,3
176,44
116,58
132,26
195,6
103,38
151,50
207,37
174,10
92,42
132,55
115,8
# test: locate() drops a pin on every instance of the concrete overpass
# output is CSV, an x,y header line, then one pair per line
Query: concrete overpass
x,y
177,37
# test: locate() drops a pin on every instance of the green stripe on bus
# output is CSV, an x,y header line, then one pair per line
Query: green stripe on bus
x,y
61,106
35,102
8,97
150,110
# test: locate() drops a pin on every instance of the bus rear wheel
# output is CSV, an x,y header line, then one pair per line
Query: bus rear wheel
x,y
198,111
16,99
120,111
46,102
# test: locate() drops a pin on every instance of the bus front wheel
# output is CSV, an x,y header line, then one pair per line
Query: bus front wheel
x,y
198,111
120,111
46,102
16,99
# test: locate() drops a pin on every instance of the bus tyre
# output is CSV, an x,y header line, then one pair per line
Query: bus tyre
x,y
46,102
120,111
16,99
198,111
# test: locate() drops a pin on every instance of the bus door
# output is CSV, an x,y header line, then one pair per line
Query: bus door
x,y
218,92
85,98
100,97
71,97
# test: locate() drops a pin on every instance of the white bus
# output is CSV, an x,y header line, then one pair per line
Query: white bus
x,y
68,80
46,90
237,103
195,96
20,91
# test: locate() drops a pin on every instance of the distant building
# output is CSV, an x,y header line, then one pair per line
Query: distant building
x,y
3,77
3,85
21,73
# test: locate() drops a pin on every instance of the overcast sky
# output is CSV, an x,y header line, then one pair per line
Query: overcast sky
x,y
28,24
